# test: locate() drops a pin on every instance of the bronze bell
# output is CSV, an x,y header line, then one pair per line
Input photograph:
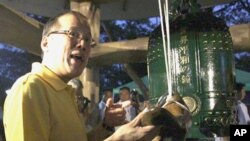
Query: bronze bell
x,y
173,118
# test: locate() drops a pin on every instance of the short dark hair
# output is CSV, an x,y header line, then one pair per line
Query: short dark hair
x,y
125,88
53,22
108,90
239,86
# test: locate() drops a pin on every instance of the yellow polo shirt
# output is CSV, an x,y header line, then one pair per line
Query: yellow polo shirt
x,y
41,107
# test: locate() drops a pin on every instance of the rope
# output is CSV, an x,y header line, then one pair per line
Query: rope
x,y
166,46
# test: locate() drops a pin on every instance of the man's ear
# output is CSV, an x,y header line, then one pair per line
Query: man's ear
x,y
44,44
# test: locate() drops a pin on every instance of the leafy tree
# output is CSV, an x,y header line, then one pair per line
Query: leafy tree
x,y
236,12
14,63
126,29
114,75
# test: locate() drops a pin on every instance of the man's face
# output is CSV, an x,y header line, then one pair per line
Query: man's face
x,y
108,94
243,93
124,95
65,55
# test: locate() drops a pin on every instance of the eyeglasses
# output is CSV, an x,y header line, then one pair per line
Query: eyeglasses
x,y
75,35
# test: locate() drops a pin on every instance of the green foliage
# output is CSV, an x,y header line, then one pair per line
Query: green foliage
x,y
14,63
114,75
125,30
237,12
5,84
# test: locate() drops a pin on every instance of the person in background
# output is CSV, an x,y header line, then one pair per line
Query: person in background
x,y
137,101
107,93
82,101
41,106
242,112
126,102
90,117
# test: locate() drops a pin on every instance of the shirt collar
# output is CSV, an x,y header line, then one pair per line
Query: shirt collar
x,y
49,76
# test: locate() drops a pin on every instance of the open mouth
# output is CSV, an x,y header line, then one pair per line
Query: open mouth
x,y
77,57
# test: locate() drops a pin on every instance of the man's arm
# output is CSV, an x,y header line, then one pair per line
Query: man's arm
x,y
114,115
99,133
133,131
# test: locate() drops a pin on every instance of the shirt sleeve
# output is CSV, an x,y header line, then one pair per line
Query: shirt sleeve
x,y
133,112
26,113
102,108
243,115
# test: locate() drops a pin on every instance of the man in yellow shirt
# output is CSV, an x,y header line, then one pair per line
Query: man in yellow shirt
x,y
41,106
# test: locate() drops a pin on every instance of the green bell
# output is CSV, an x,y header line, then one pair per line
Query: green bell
x,y
202,71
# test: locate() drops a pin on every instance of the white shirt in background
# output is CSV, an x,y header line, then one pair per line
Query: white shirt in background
x,y
243,115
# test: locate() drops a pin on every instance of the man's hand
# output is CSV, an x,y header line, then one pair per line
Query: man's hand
x,y
114,114
133,131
